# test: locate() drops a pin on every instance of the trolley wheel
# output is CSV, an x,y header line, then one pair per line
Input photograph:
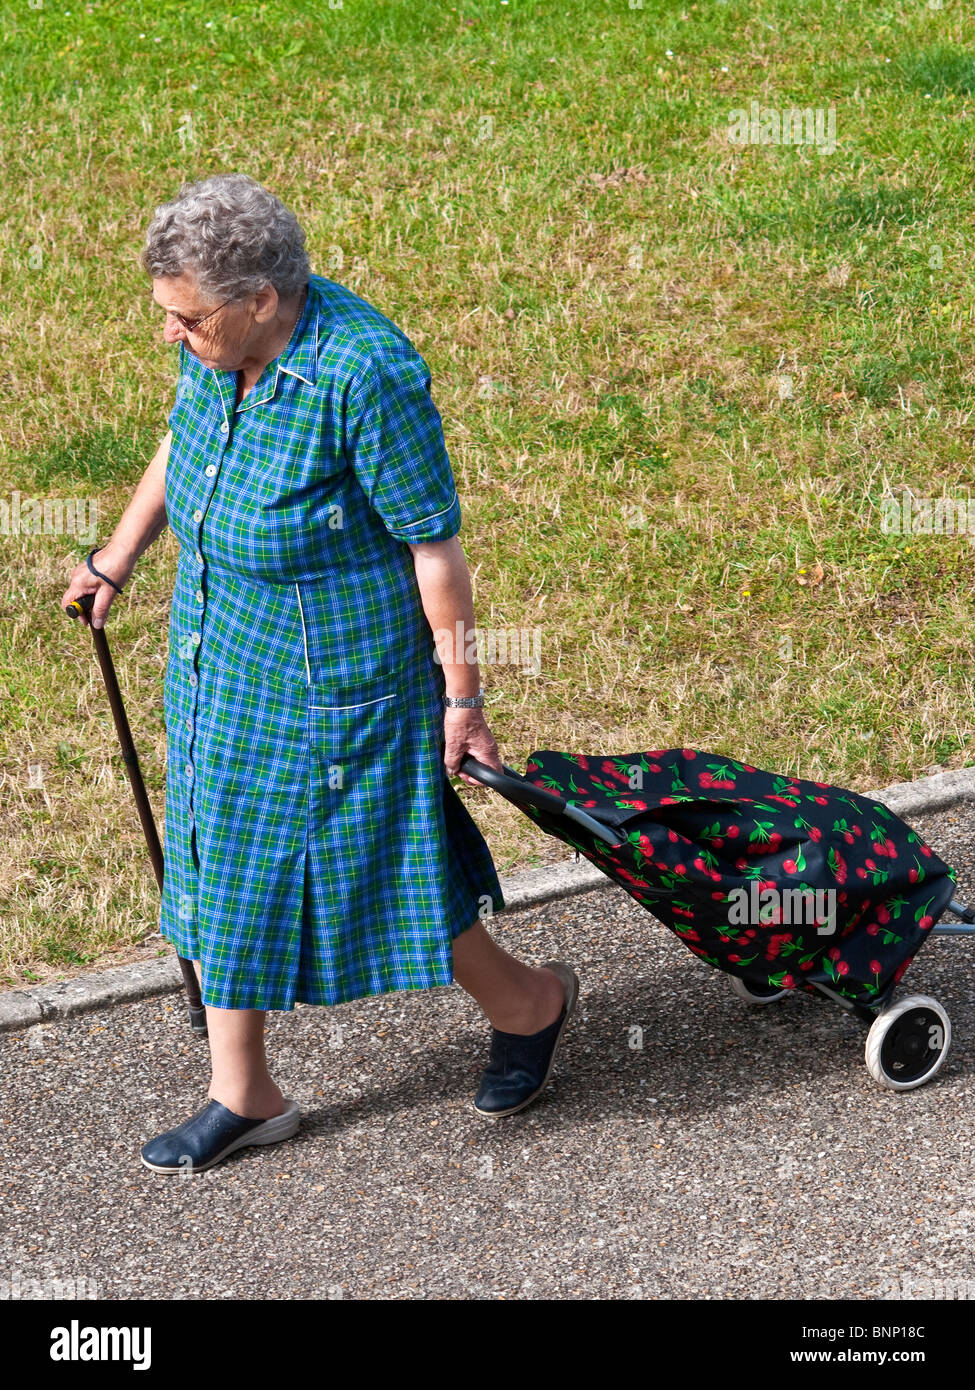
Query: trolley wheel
x,y
753,993
908,1043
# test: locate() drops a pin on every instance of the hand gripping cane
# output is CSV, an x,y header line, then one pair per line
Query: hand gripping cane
x,y
198,1013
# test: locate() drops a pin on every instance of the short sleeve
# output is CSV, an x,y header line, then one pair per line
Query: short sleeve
x,y
394,442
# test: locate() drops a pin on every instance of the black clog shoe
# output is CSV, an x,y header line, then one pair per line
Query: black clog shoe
x,y
212,1134
521,1064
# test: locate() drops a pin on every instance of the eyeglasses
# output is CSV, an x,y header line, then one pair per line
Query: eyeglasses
x,y
191,325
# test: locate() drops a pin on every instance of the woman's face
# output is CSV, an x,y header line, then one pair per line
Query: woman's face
x,y
223,339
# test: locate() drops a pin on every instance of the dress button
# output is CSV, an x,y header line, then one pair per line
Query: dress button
x,y
195,638
199,595
199,557
188,769
197,515
192,678
210,469
189,725
224,427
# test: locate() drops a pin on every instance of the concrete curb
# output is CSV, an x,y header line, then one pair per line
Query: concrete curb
x,y
928,793
20,1009
116,985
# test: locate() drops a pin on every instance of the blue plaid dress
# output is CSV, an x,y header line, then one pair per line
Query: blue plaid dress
x,y
315,851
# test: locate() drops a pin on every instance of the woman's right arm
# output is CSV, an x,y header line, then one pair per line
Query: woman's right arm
x,y
139,525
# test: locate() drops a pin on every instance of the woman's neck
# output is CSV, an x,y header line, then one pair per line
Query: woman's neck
x,y
289,312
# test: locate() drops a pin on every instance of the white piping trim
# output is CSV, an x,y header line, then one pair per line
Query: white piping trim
x,y
304,634
364,704
432,516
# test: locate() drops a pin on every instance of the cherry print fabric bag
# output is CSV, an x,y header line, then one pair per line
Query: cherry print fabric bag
x,y
783,882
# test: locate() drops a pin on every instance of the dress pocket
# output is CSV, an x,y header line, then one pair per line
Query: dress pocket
x,y
346,725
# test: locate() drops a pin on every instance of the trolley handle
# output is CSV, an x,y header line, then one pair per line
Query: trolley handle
x,y
513,786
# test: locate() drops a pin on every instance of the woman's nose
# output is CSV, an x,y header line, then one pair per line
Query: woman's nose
x,y
172,331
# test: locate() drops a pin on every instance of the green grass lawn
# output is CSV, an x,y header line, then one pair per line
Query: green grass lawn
x,y
677,373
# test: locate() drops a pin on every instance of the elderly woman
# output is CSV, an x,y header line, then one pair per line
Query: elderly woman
x,y
315,851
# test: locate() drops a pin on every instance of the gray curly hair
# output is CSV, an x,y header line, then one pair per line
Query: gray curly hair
x,y
232,234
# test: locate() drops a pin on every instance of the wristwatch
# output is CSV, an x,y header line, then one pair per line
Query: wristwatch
x,y
465,701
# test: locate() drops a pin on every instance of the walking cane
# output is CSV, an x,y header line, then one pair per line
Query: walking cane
x,y
198,1013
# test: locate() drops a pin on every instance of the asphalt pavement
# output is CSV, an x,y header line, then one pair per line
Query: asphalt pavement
x,y
687,1146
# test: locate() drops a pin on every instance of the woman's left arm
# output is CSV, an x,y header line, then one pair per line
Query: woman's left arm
x,y
448,602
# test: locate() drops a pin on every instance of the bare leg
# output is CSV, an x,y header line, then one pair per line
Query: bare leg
x,y
517,998
241,1080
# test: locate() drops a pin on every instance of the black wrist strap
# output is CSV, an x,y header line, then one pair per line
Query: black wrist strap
x,y
98,573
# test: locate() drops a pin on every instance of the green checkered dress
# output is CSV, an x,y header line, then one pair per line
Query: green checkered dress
x,y
315,851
